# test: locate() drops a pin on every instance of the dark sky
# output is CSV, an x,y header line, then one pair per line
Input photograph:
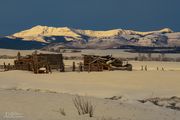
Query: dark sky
x,y
142,15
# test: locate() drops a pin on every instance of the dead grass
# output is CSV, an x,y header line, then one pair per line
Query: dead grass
x,y
83,106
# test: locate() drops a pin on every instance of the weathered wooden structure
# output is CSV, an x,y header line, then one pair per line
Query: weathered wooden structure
x,y
6,67
39,63
23,63
100,63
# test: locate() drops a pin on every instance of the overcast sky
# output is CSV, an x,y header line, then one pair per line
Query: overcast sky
x,y
141,15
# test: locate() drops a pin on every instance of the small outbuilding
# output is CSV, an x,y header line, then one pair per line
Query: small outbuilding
x,y
39,63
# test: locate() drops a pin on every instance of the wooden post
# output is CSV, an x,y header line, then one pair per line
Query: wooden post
x,y
80,67
18,56
4,66
62,69
89,68
74,66
9,66
49,68
145,68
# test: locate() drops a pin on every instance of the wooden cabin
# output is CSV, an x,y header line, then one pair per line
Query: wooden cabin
x,y
39,63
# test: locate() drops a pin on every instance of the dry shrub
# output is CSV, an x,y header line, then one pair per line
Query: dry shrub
x,y
83,106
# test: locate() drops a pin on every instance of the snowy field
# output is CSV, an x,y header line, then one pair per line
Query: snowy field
x,y
136,84
41,96
114,52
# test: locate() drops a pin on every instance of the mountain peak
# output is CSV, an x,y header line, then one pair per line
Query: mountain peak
x,y
47,27
167,30
45,31
37,33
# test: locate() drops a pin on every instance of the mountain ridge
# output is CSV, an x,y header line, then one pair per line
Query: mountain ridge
x,y
39,31
52,37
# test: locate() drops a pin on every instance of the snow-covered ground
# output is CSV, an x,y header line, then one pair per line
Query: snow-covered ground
x,y
10,52
34,105
113,52
27,96
136,84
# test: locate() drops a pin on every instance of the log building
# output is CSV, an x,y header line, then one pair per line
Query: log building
x,y
39,63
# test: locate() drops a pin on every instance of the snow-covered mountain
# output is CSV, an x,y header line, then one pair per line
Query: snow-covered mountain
x,y
76,38
38,33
